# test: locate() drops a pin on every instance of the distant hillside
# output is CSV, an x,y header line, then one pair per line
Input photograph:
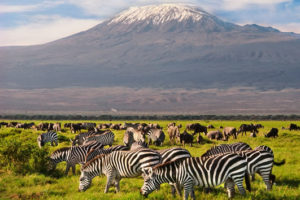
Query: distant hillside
x,y
166,47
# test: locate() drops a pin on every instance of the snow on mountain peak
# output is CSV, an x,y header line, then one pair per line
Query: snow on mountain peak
x,y
158,14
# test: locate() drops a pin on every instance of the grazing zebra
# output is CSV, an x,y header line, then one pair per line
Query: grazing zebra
x,y
79,139
117,165
47,137
206,172
95,152
227,148
106,138
157,136
259,161
132,135
72,155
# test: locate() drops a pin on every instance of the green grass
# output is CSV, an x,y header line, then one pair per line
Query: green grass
x,y
58,186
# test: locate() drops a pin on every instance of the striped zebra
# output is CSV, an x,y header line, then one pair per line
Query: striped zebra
x,y
50,136
117,165
227,148
79,139
95,152
138,145
157,136
106,138
72,155
205,172
259,161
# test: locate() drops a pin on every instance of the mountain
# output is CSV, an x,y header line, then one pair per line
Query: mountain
x,y
164,47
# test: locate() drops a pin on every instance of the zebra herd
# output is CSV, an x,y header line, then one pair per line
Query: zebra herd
x,y
230,164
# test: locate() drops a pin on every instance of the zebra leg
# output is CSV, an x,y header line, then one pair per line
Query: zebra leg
x,y
73,169
253,177
229,185
56,143
117,184
173,190
178,189
108,183
266,177
188,188
239,182
67,169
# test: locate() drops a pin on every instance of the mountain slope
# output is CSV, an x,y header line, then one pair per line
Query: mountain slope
x,y
161,46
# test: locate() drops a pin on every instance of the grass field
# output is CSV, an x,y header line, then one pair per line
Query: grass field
x,y
58,186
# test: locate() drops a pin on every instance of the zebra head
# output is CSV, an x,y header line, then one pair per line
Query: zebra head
x,y
150,182
40,141
84,181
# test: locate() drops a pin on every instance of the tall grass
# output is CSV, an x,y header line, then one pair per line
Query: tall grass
x,y
38,185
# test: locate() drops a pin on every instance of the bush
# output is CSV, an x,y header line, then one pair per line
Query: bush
x,y
21,154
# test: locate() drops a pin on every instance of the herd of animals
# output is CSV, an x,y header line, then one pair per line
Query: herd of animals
x,y
230,164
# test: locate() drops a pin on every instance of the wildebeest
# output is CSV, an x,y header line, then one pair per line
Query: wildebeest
x,y
273,133
230,131
197,128
217,135
174,132
247,127
210,126
293,127
185,137
76,127
43,126
253,134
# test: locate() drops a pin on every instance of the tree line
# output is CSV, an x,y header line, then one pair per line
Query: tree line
x,y
150,117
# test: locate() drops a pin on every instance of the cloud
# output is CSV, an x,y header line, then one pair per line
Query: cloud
x,y
44,29
241,4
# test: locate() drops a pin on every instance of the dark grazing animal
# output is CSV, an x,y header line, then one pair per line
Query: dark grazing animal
x,y
185,137
272,133
203,172
117,165
293,127
197,128
244,128
76,127
157,136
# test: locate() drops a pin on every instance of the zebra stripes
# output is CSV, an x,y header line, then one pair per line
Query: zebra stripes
x,y
79,139
117,165
95,152
157,136
47,137
206,172
226,148
72,155
106,138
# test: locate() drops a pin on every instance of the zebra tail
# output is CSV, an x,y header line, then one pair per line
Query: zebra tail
x,y
247,181
279,163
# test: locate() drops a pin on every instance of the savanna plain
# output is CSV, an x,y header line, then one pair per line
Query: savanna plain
x,y
23,174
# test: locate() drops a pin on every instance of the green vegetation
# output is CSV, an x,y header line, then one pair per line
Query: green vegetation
x,y
23,174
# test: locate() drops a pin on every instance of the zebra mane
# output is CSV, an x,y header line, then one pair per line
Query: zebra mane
x,y
165,164
61,150
91,161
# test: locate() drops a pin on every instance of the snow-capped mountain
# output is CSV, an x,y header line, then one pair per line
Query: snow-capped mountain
x,y
161,46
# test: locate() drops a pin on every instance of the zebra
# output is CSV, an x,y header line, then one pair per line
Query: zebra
x,y
132,135
268,149
259,161
95,152
138,145
202,171
79,139
106,138
50,136
226,148
117,165
157,136
72,155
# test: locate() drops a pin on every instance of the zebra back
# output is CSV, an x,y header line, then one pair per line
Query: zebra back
x,y
59,155
50,136
95,152
227,148
105,138
173,154
264,148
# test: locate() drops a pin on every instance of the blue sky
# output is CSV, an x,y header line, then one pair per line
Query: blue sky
x,y
27,22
